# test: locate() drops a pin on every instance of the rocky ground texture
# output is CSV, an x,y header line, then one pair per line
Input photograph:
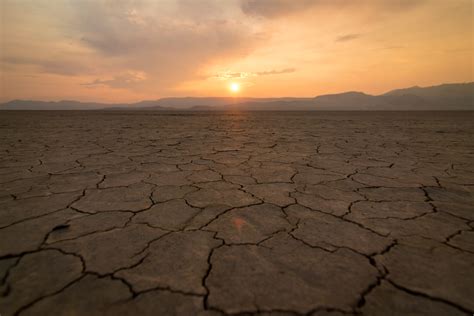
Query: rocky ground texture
x,y
152,213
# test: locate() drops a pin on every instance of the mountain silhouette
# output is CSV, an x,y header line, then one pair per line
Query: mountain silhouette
x,y
456,96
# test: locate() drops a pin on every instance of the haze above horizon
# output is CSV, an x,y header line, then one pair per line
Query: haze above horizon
x,y
127,51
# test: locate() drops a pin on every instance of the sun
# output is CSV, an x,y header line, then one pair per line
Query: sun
x,y
234,87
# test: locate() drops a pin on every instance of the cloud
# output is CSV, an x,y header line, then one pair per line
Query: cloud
x,y
232,75
123,80
136,28
274,8
226,75
276,72
278,8
171,47
347,37
59,66
169,41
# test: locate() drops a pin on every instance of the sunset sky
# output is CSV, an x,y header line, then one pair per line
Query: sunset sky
x,y
125,51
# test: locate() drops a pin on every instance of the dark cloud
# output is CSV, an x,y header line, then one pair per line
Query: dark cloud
x,y
52,66
347,37
276,8
273,8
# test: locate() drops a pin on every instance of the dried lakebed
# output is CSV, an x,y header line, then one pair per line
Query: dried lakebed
x,y
156,213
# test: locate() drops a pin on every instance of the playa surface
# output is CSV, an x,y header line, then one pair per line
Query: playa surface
x,y
159,213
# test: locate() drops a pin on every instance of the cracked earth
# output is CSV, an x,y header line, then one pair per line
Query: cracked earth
x,y
109,213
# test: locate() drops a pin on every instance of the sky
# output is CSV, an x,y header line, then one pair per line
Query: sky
x,y
132,50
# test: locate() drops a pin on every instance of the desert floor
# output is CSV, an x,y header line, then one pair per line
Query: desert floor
x,y
154,213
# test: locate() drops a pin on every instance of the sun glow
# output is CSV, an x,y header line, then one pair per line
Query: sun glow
x,y
234,87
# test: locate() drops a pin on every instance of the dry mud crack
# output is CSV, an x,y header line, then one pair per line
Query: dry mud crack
x,y
113,213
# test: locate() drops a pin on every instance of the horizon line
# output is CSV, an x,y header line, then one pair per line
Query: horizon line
x,y
238,97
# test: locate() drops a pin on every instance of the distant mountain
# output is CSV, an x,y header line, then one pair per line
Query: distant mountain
x,y
443,97
346,101
444,90
59,105
204,103
458,96
164,104
73,105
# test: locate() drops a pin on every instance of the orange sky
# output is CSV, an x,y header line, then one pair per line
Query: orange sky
x,y
124,51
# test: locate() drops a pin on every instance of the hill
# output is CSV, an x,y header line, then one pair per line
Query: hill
x,y
458,96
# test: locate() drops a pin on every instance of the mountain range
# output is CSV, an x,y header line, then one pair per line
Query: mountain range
x,y
455,96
